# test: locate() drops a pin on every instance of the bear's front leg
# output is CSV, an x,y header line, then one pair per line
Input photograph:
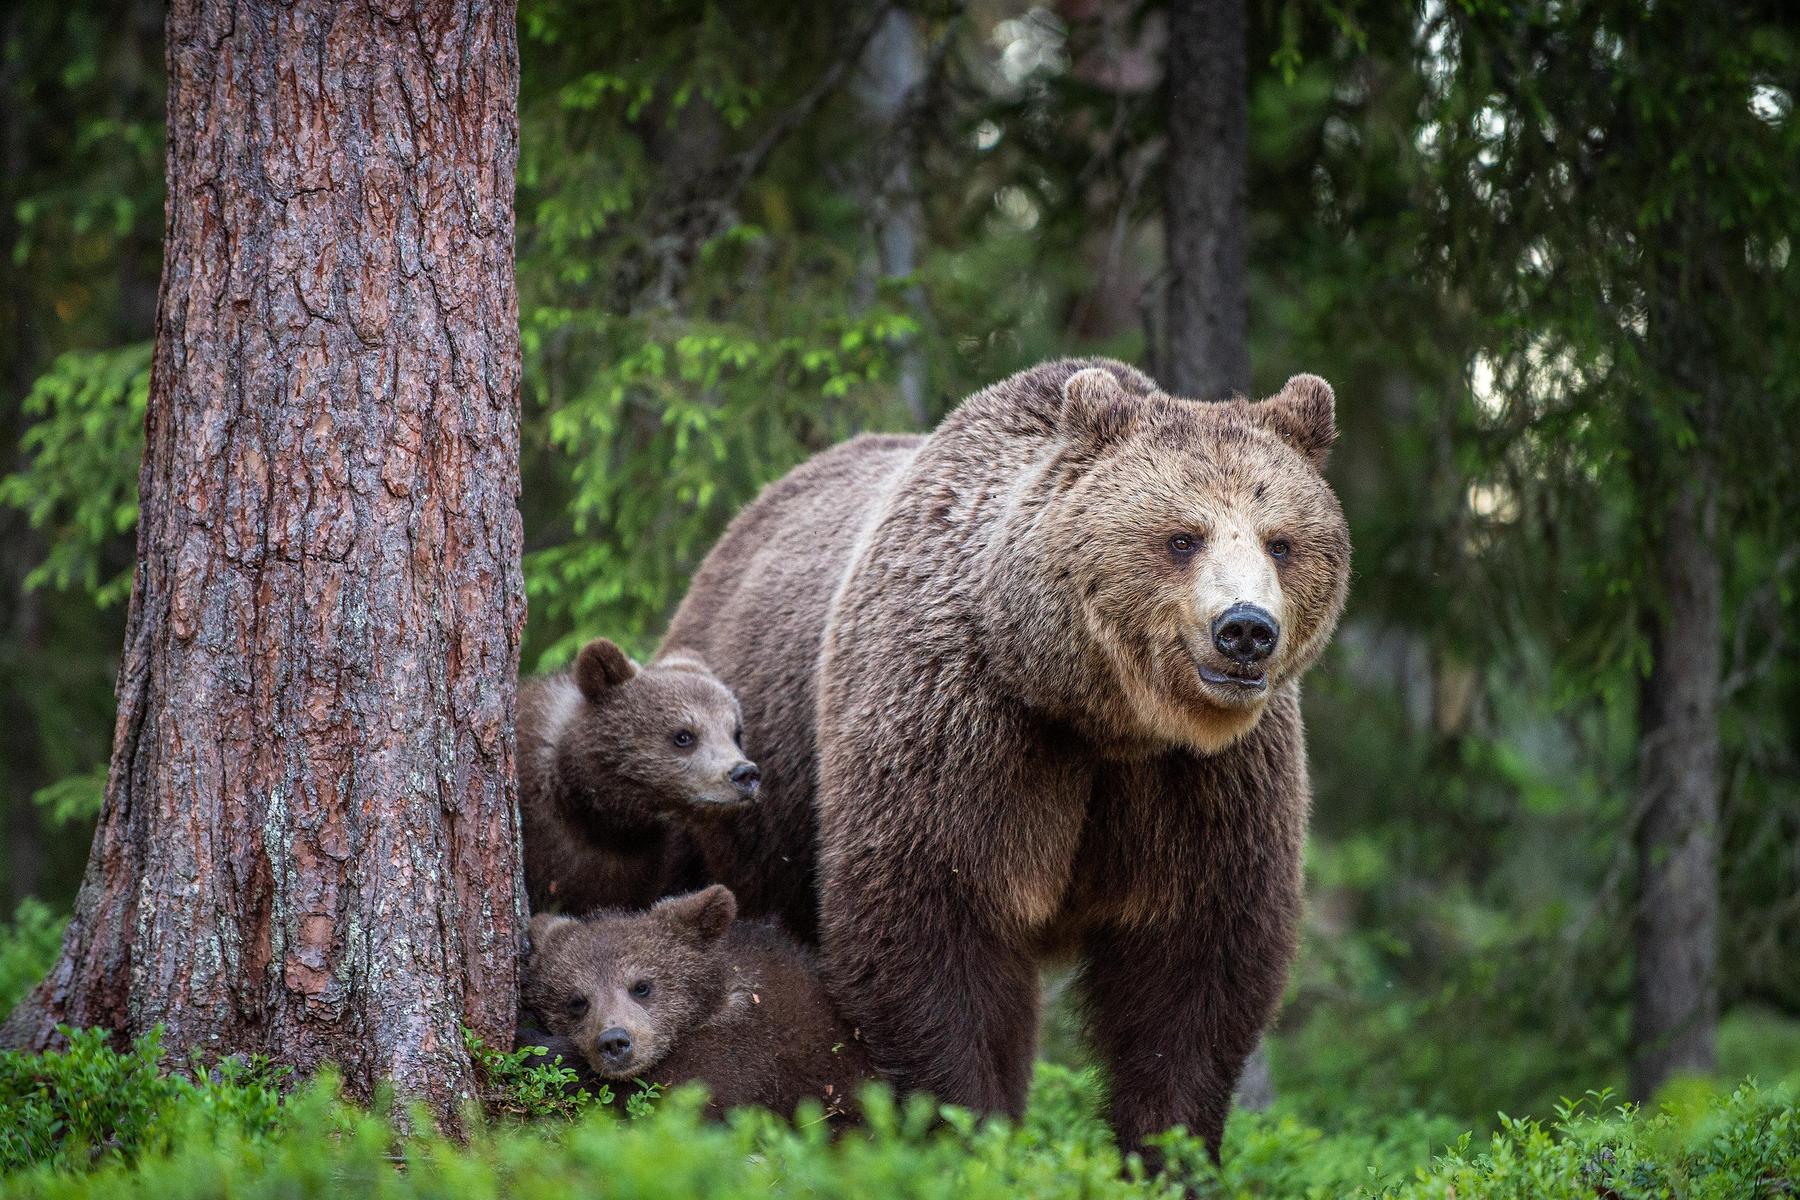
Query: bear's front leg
x,y
1173,1012
945,1005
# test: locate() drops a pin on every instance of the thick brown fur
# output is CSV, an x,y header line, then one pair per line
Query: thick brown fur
x,y
760,597
736,1005
985,648
609,800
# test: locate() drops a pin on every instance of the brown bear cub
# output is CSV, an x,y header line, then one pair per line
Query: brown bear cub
x,y
617,763
686,992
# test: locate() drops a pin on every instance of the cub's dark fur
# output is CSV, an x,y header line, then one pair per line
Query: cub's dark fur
x,y
686,992
617,763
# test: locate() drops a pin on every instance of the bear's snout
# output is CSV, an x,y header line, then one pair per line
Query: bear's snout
x,y
746,777
1246,634
614,1047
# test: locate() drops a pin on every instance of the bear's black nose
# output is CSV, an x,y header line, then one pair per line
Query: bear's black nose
x,y
746,777
1246,634
614,1044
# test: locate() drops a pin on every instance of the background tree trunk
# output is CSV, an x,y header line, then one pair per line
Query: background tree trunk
x,y
1206,200
1675,921
1206,215
308,846
889,76
20,611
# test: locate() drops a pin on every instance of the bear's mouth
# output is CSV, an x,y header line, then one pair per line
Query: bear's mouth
x,y
1232,688
722,800
1247,682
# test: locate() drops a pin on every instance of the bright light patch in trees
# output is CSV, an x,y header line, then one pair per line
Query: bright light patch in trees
x,y
1030,45
1017,207
1487,396
1493,502
1770,103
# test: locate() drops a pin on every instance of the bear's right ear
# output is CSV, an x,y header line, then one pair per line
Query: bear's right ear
x,y
1304,415
1096,408
545,924
705,915
601,665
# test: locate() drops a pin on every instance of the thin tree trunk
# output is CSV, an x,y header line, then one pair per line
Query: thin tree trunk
x,y
1206,200
20,611
1676,918
889,75
309,842
1206,217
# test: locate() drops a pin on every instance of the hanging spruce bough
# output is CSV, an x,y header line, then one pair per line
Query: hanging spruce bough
x,y
308,843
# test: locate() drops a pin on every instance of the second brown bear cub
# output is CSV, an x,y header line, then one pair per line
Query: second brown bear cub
x,y
617,763
685,992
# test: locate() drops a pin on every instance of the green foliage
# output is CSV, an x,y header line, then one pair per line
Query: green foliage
x,y
93,1104
95,1122
513,1086
79,483
685,328
1745,1144
669,429
28,947
73,800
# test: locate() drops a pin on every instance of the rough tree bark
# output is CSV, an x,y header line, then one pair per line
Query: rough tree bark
x,y
1206,200
308,846
1675,921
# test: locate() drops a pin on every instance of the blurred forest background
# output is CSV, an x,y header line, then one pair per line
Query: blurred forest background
x,y
1540,248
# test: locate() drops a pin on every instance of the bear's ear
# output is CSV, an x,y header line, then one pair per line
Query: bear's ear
x,y
545,924
1096,408
601,665
1302,414
704,915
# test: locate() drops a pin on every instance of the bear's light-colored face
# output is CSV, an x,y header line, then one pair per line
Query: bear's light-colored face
x,y
1209,557
626,987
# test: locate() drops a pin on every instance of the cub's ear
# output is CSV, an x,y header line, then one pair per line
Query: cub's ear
x,y
543,925
705,915
1096,408
601,665
1302,414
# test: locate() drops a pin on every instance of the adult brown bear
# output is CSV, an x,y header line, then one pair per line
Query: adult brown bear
x,y
1036,675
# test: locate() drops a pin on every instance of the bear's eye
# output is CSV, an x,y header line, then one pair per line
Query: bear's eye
x,y
1181,545
1279,549
737,735
575,1005
641,989
684,738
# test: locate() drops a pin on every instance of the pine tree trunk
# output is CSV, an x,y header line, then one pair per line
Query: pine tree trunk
x,y
1206,200
1675,922
309,843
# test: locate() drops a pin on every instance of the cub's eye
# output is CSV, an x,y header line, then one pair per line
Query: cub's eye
x,y
737,736
684,738
1182,545
1280,549
641,990
575,1006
